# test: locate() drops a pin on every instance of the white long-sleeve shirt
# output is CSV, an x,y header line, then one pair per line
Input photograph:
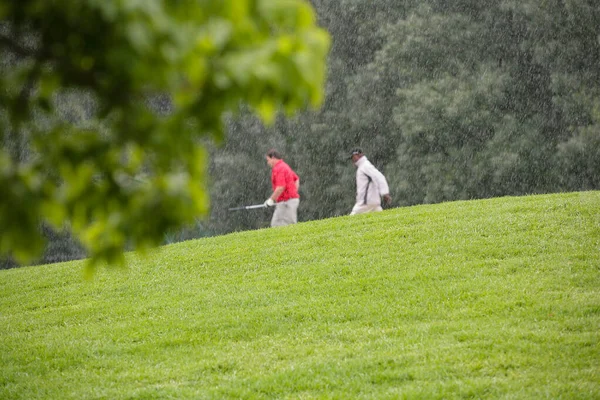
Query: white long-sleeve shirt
x,y
370,183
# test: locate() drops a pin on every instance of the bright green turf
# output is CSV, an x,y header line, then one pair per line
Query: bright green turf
x,y
481,299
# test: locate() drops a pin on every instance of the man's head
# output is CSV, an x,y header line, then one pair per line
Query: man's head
x,y
272,157
356,154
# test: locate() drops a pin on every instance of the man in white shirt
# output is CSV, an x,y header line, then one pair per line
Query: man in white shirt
x,y
371,185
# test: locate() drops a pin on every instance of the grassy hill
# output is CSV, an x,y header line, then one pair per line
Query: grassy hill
x,y
497,298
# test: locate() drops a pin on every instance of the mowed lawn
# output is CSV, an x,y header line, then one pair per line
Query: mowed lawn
x,y
495,298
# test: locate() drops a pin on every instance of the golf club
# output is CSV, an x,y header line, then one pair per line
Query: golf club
x,y
248,207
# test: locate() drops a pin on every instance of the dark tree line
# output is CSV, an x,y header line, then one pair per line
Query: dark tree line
x,y
452,100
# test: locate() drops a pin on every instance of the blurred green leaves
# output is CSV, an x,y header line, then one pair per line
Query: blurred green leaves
x,y
81,143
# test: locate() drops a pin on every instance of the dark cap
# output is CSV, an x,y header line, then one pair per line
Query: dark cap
x,y
355,152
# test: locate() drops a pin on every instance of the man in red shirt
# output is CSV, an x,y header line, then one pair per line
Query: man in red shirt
x,y
285,195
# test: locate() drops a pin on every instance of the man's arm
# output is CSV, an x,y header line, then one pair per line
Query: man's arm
x,y
277,192
381,182
387,198
272,200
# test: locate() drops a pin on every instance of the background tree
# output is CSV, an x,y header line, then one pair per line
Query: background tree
x,y
495,98
123,173
452,100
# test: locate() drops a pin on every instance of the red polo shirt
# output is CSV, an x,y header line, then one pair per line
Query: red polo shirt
x,y
282,175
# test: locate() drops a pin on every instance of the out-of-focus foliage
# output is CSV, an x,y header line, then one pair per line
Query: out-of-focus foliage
x,y
103,104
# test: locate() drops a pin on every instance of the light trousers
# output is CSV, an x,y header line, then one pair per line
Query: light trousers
x,y
365,208
286,213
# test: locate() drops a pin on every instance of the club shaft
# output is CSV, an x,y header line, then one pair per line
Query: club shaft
x,y
252,207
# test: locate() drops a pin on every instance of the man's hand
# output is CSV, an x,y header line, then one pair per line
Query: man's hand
x,y
387,199
269,202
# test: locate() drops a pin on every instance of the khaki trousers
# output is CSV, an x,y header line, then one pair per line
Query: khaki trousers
x,y
286,213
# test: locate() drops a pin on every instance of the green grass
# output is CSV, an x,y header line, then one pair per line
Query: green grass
x,y
497,298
